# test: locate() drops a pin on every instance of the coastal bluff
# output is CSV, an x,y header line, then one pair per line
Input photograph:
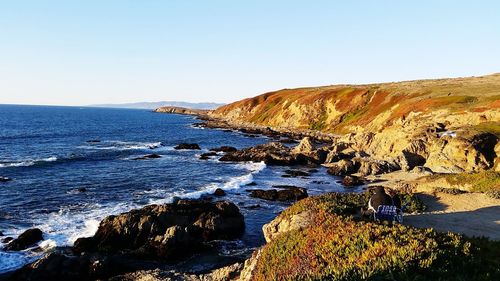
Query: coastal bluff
x,y
182,110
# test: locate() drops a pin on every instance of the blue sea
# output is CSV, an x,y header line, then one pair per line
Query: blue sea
x,y
46,152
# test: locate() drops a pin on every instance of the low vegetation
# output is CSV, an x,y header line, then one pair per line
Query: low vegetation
x,y
348,203
486,181
338,247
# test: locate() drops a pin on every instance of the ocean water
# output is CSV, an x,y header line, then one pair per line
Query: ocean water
x,y
45,150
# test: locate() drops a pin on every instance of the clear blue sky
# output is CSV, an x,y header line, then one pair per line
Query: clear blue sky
x,y
100,51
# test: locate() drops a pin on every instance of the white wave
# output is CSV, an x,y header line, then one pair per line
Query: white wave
x,y
26,162
122,145
232,184
64,227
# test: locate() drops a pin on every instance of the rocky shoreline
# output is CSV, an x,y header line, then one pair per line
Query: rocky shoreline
x,y
150,242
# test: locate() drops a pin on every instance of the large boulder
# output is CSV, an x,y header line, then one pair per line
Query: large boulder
x,y
271,153
368,166
161,230
25,240
343,167
307,151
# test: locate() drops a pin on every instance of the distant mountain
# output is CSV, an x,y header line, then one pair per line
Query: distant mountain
x,y
154,105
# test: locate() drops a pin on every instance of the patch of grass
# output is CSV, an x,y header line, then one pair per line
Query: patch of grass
x,y
489,127
452,191
481,182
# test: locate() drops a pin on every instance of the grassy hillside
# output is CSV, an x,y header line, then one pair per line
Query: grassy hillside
x,y
349,108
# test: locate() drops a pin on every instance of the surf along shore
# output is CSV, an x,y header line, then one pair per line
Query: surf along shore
x,y
444,165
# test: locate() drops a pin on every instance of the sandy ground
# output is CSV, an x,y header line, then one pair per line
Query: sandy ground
x,y
472,214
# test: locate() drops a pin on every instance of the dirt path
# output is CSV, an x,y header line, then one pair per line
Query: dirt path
x,y
472,214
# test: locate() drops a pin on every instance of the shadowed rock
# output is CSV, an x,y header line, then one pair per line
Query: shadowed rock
x,y
25,240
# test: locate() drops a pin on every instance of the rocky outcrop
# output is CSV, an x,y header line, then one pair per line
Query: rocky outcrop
x,y
287,193
224,148
28,238
181,110
271,153
164,231
148,157
285,223
192,146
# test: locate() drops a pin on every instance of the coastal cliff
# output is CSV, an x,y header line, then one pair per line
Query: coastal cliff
x,y
447,125
182,110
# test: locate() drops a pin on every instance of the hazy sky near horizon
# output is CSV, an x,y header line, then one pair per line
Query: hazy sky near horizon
x,y
116,51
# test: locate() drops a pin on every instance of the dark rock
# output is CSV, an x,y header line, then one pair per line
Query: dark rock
x,y
224,148
7,239
320,182
187,146
147,157
5,179
219,192
251,184
82,189
26,239
59,266
296,173
271,153
1,233
144,231
206,156
313,171
287,194
288,140
93,141
352,181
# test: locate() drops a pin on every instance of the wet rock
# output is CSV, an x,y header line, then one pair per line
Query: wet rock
x,y
271,153
7,239
206,156
287,194
350,181
25,240
192,146
1,233
224,148
82,189
251,184
296,173
143,231
147,157
93,141
219,192
5,179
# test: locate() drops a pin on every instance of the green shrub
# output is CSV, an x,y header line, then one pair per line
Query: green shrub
x,y
339,248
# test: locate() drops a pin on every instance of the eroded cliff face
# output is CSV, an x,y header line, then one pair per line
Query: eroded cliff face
x,y
448,125
181,110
